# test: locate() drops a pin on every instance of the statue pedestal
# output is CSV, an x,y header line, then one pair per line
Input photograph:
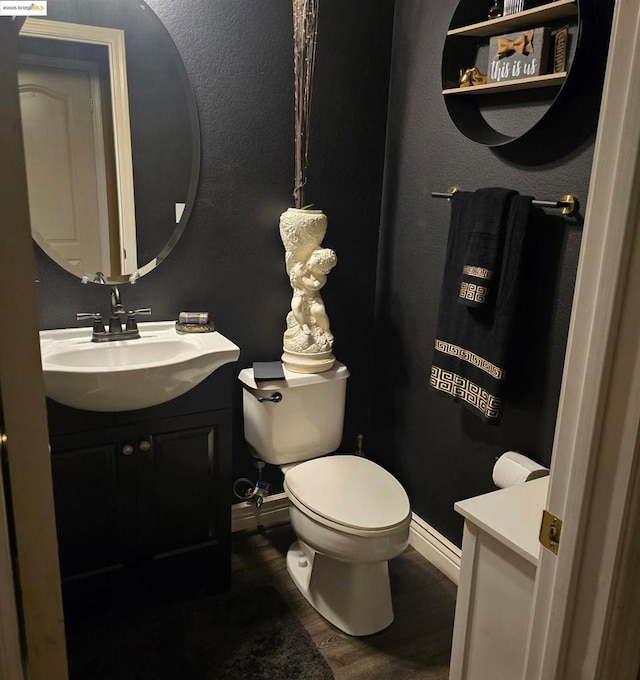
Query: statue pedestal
x,y
317,362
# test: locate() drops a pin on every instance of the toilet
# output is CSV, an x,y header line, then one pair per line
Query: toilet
x,y
350,515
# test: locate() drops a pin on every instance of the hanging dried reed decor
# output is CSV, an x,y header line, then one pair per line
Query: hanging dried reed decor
x,y
305,36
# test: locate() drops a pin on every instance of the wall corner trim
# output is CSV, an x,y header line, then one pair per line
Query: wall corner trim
x,y
434,547
423,538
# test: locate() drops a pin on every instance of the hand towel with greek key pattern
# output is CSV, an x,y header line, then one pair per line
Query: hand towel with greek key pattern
x,y
480,270
472,343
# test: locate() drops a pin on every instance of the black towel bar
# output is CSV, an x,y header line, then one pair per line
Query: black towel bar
x,y
568,203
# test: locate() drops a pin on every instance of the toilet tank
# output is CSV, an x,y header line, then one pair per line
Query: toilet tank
x,y
306,423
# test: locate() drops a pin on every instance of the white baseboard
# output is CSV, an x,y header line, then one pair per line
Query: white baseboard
x,y
432,545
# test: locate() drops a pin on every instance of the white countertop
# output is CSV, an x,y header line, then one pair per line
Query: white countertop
x,y
512,515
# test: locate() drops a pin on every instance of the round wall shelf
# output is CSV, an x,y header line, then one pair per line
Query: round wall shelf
x,y
496,114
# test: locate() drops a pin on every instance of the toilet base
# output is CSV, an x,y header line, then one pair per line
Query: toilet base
x,y
356,598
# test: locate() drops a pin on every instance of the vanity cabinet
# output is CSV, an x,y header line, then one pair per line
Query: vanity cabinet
x,y
143,509
500,551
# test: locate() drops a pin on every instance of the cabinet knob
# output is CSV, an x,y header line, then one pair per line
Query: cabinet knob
x,y
127,449
144,445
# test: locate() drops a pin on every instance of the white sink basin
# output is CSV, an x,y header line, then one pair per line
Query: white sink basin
x,y
129,374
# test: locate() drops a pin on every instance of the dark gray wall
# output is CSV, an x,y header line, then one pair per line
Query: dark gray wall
x,y
230,259
441,452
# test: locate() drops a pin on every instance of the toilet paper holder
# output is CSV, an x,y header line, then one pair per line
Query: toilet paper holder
x,y
513,468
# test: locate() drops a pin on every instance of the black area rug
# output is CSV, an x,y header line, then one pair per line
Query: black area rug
x,y
246,634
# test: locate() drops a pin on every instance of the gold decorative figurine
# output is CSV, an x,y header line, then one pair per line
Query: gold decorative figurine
x,y
472,76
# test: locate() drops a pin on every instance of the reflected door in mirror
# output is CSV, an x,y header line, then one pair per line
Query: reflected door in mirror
x,y
67,167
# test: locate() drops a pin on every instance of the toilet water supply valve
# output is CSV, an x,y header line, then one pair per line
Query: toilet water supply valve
x,y
256,493
253,493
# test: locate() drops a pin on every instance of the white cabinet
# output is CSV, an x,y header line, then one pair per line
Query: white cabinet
x,y
497,574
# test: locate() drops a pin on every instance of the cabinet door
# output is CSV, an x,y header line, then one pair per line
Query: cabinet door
x,y
177,482
183,504
88,508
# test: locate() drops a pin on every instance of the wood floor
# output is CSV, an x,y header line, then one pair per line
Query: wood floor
x,y
416,646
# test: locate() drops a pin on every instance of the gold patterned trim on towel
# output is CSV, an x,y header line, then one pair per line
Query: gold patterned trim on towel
x,y
464,354
471,291
478,272
457,386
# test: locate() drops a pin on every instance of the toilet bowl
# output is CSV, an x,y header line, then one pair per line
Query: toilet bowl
x,y
350,515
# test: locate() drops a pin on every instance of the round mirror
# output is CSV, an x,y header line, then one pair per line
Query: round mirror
x,y
112,142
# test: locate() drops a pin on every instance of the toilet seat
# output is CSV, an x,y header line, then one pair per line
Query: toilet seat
x,y
349,493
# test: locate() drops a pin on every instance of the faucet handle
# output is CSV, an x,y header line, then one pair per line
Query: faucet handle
x,y
98,325
131,317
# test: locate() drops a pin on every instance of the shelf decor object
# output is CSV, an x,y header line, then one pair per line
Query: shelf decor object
x,y
513,6
530,57
560,50
496,10
472,77
518,55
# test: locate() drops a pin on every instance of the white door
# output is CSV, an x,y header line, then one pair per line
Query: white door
x,y
65,163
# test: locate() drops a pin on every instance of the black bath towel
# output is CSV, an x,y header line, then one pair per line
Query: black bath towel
x,y
478,298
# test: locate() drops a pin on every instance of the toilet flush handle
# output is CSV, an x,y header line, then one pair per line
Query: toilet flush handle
x,y
276,398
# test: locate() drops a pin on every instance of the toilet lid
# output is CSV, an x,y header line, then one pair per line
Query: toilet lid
x,y
349,490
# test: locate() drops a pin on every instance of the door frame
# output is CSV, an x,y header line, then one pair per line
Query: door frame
x,y
586,613
38,596
10,648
